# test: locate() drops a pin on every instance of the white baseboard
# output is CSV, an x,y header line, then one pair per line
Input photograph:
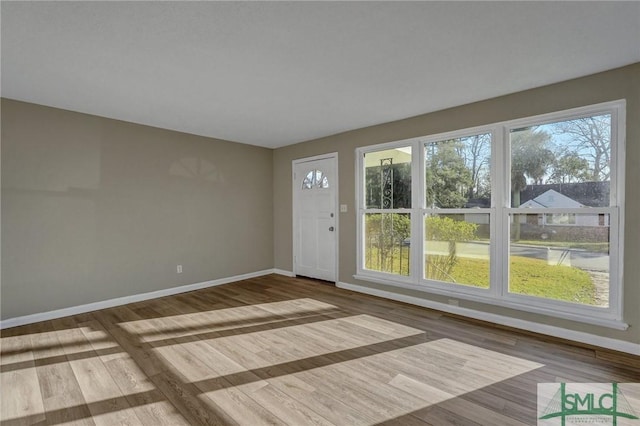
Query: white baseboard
x,y
283,272
74,310
576,336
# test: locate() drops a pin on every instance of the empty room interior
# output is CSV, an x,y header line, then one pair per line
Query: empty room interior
x,y
320,213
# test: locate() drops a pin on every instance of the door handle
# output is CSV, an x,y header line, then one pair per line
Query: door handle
x,y
331,228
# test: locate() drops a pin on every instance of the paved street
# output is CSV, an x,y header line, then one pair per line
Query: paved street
x,y
569,257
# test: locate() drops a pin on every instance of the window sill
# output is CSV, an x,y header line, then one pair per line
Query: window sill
x,y
529,306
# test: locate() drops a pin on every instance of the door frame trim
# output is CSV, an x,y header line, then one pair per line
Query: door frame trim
x,y
294,207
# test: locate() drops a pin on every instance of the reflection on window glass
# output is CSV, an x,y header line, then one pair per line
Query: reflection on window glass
x,y
457,172
387,247
555,261
560,219
307,183
562,165
315,178
388,179
457,249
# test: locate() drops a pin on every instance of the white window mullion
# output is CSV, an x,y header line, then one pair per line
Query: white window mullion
x,y
359,208
618,133
417,219
505,205
617,219
615,263
498,197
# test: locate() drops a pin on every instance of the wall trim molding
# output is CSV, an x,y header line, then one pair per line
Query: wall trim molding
x,y
550,330
283,272
118,301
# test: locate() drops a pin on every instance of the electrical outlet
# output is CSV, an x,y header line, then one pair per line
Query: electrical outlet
x,y
179,269
343,208
454,302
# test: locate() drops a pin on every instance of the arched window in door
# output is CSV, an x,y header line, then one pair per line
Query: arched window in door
x,y
315,179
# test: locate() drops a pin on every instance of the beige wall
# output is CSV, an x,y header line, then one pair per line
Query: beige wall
x,y
612,85
94,209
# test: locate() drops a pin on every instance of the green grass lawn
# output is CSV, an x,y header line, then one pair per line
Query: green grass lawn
x,y
396,263
536,278
474,272
528,276
533,277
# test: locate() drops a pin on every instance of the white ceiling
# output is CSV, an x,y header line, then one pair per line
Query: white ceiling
x,y
277,73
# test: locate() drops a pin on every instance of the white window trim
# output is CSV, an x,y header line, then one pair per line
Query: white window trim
x,y
497,294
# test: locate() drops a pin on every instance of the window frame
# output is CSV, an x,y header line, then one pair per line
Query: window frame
x,y
445,287
363,211
499,211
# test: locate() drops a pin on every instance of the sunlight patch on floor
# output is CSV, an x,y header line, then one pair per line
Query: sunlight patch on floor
x,y
384,386
170,326
286,344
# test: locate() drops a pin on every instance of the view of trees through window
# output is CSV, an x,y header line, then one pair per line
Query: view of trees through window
x,y
566,156
388,187
457,176
458,172
457,248
561,165
562,255
387,246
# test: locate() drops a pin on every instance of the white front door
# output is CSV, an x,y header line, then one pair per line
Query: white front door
x,y
314,217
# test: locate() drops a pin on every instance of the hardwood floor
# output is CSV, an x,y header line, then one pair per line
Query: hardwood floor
x,y
277,350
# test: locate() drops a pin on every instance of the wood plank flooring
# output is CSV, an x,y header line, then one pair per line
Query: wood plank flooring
x,y
277,350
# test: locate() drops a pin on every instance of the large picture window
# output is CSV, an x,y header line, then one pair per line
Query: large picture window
x,y
525,214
